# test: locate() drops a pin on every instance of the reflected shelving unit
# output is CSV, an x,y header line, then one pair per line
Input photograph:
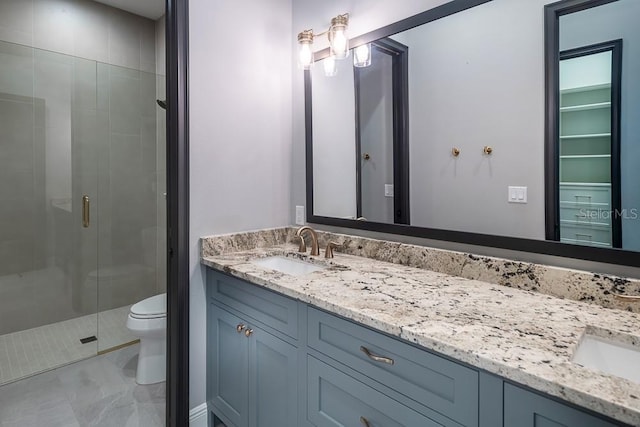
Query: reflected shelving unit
x,y
585,150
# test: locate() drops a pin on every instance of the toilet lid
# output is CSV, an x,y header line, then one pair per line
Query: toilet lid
x,y
152,306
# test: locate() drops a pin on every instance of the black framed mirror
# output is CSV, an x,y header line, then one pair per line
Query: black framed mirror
x,y
487,102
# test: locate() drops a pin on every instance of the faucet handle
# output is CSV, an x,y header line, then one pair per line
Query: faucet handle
x,y
303,245
328,252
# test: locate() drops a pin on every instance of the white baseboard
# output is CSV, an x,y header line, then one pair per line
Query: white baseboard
x,y
198,416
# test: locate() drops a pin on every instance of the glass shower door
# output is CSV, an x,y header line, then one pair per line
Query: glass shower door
x,y
49,133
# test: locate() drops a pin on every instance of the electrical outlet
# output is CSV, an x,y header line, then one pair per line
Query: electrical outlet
x,y
299,215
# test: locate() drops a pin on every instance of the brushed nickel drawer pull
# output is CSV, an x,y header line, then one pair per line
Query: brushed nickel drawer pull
x,y
85,211
240,327
248,333
375,357
365,422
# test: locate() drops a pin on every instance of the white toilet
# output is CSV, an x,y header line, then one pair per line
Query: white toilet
x,y
148,321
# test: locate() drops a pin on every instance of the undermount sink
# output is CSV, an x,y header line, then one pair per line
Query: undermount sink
x,y
619,359
293,267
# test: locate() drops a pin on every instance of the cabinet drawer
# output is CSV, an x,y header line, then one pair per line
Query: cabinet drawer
x,y
587,216
585,234
274,310
335,400
585,195
444,386
526,409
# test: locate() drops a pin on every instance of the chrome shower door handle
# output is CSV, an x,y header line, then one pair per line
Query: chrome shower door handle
x,y
85,211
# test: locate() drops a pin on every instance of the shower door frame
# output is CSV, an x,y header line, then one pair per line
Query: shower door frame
x,y
177,388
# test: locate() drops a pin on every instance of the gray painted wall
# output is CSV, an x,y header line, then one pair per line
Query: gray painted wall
x,y
469,88
240,67
618,20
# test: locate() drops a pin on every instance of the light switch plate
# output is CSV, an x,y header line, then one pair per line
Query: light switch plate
x,y
299,215
517,194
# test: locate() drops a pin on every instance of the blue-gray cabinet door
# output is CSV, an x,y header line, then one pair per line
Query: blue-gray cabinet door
x,y
228,363
273,381
526,409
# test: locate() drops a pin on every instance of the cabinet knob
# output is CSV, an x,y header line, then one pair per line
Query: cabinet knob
x,y
248,332
364,422
240,328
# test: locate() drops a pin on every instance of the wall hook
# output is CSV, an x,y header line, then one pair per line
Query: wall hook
x,y
487,150
455,151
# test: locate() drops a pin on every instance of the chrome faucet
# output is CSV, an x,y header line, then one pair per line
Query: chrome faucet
x,y
315,250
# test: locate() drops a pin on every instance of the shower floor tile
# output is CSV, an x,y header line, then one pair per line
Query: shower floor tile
x,y
36,350
100,391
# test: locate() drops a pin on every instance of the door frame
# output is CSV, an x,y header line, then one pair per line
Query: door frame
x,y
177,49
400,87
552,165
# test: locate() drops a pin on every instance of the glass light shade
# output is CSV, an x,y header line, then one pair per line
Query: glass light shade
x,y
305,55
362,56
338,39
330,66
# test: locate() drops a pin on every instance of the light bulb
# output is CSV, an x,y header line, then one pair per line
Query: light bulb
x,y
306,56
340,44
305,53
338,39
330,66
362,56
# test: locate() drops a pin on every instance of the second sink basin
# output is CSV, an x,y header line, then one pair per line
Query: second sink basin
x,y
619,359
293,267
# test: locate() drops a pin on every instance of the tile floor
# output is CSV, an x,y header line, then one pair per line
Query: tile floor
x,y
100,391
36,350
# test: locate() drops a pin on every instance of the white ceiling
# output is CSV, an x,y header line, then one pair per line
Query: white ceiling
x,y
152,9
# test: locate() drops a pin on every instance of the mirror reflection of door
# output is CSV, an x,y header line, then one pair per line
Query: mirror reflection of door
x,y
589,145
381,139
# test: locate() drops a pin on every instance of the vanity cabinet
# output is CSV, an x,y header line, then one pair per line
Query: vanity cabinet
x,y
276,362
523,408
252,367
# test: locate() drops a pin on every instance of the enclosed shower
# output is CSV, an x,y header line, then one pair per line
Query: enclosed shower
x,y
82,181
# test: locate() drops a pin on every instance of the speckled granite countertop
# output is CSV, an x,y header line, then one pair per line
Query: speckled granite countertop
x,y
524,336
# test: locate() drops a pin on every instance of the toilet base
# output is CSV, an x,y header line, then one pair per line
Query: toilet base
x,y
152,367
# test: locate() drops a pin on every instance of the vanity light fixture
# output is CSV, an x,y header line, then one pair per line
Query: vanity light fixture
x,y
330,66
338,41
362,56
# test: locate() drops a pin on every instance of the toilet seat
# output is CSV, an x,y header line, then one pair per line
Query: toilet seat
x,y
151,308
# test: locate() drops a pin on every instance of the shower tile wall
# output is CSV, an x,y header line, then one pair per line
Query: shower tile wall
x,y
81,28
66,114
